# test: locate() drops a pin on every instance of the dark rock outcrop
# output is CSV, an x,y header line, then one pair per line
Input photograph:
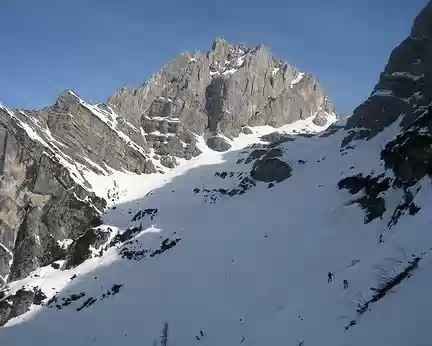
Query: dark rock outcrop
x,y
19,303
403,92
320,120
371,202
271,169
80,249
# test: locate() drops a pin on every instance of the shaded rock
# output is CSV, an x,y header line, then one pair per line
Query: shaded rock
x,y
256,154
320,120
80,250
274,152
403,91
373,204
167,161
125,236
19,303
270,170
151,212
246,130
406,205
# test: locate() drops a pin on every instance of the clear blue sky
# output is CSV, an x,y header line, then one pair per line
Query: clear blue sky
x,y
97,46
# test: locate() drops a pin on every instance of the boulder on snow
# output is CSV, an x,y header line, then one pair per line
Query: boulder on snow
x,y
269,170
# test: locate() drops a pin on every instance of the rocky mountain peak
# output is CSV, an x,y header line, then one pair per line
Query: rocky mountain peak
x,y
422,28
220,92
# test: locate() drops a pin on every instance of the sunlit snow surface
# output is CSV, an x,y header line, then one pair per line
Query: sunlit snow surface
x,y
249,269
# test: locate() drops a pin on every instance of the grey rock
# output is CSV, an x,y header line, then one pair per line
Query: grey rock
x,y
277,138
271,169
230,86
256,154
149,167
79,250
404,88
40,202
218,143
168,161
175,147
15,305
320,120
192,150
6,307
246,130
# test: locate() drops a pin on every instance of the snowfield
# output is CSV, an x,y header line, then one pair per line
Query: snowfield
x,y
247,269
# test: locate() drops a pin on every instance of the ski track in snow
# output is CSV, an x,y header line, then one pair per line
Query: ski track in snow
x,y
249,269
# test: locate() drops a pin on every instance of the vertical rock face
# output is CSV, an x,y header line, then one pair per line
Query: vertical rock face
x,y
403,96
40,203
404,89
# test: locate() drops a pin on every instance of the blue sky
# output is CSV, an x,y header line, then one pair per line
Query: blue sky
x,y
96,46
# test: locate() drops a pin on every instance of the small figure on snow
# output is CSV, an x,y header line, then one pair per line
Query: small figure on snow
x,y
345,283
330,277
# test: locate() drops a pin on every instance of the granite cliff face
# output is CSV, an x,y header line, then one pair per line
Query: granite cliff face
x,y
46,154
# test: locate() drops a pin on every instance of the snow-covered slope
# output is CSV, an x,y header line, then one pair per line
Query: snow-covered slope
x,y
248,268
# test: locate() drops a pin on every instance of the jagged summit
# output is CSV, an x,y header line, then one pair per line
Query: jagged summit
x,y
222,91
